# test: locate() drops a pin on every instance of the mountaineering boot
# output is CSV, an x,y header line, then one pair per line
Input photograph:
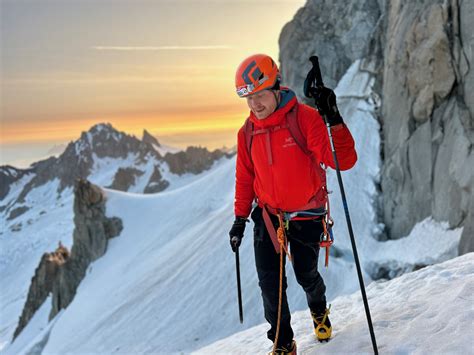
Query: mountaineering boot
x,y
289,349
322,324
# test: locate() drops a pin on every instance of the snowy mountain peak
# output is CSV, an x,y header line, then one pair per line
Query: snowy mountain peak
x,y
106,130
117,159
102,127
100,135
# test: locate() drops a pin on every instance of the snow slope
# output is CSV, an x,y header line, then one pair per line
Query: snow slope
x,y
43,226
48,221
167,283
429,311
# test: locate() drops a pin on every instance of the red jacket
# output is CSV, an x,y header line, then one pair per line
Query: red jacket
x,y
279,173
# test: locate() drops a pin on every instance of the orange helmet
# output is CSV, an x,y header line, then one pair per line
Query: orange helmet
x,y
256,73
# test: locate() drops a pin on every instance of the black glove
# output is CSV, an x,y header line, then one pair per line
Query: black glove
x,y
237,232
325,100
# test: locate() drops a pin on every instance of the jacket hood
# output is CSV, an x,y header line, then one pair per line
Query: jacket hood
x,y
288,100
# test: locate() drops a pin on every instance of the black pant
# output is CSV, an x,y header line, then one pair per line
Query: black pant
x,y
303,239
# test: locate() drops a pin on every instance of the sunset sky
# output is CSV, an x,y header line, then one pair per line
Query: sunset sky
x,y
166,66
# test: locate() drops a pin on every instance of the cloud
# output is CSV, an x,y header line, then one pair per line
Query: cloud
x,y
158,48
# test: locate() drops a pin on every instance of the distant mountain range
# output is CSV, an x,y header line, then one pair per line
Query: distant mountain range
x,y
129,164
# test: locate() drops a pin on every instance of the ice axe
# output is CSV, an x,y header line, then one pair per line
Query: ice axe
x,y
313,82
239,291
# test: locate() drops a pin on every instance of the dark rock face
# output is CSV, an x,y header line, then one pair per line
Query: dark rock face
x,y
336,31
44,172
66,168
148,138
421,55
392,269
194,160
156,182
42,284
124,178
16,227
74,163
17,212
427,120
8,175
467,238
91,233
60,273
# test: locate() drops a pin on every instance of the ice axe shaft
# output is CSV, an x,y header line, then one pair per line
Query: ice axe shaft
x,y
313,81
239,290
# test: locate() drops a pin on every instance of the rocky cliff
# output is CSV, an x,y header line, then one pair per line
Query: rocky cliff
x,y
336,31
420,53
428,114
42,284
60,273
194,160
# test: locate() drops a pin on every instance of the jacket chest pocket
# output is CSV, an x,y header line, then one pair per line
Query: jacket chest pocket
x,y
272,144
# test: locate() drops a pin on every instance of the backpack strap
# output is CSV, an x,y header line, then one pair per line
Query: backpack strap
x,y
292,124
300,139
295,130
248,130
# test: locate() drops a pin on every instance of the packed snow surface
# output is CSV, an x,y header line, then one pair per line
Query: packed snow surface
x,y
429,311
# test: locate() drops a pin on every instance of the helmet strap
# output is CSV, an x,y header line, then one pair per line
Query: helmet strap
x,y
276,86
277,95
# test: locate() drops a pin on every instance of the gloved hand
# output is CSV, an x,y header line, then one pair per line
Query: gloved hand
x,y
325,100
237,232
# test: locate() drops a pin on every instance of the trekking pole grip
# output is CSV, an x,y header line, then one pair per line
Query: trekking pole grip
x,y
316,70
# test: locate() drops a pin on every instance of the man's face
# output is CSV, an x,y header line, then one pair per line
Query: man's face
x,y
262,103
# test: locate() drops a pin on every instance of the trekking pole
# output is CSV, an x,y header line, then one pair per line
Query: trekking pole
x,y
314,81
239,291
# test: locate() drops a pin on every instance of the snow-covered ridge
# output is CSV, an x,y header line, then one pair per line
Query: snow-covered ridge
x,y
429,311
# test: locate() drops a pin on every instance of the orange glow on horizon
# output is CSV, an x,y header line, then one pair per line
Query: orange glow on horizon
x,y
171,125
150,65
